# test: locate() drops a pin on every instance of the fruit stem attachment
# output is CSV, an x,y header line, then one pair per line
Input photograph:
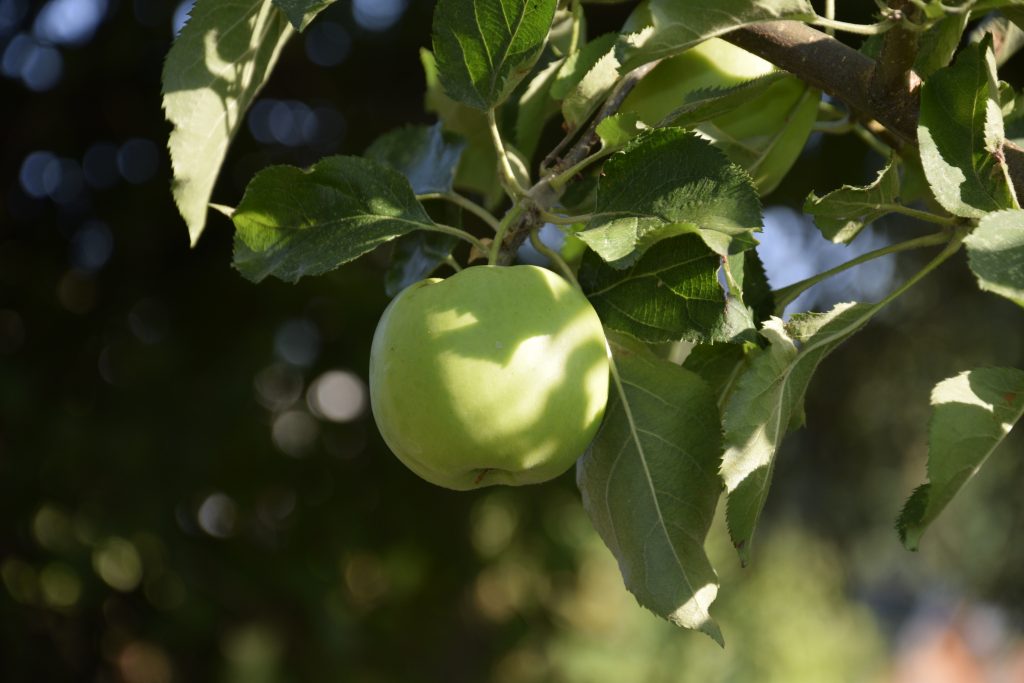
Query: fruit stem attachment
x,y
788,294
512,185
464,203
553,256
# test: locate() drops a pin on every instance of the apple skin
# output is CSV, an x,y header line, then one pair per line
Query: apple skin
x,y
495,375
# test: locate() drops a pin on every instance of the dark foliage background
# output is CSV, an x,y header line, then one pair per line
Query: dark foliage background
x,y
177,503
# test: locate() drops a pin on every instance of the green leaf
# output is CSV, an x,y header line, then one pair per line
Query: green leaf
x,y
650,486
294,222
670,293
972,414
720,365
214,70
768,401
767,143
617,130
961,136
672,26
996,253
843,213
756,291
302,12
938,44
584,81
425,155
665,183
417,255
579,63
705,104
485,47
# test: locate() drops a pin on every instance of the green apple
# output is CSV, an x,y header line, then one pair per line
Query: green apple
x,y
495,375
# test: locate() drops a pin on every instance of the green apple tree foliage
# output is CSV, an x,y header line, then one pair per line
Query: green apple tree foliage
x,y
671,132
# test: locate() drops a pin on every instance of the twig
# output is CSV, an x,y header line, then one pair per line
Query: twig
x,y
893,75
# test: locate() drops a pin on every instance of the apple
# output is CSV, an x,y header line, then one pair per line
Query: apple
x,y
495,375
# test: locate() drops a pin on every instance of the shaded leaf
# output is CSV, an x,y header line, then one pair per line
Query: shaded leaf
x,y
650,486
843,213
670,293
417,255
294,222
617,130
961,135
668,182
705,104
425,155
996,253
485,47
972,414
720,365
768,401
214,70
584,83
301,12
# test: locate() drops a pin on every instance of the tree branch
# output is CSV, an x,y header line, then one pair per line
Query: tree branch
x,y
825,63
893,75
847,75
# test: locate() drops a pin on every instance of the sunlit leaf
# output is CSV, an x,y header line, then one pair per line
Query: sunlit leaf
x,y
485,47
214,70
671,26
843,213
972,414
294,222
768,401
667,182
650,486
996,253
586,78
961,135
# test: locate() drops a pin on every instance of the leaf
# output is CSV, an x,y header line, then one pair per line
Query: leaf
x,y
302,12
674,26
671,293
707,103
756,290
417,255
425,155
939,43
961,135
214,70
294,222
590,91
720,365
843,213
667,182
767,143
996,253
650,486
485,47
579,63
972,414
617,130
768,401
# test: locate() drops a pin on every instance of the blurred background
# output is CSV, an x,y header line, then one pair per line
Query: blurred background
x,y
192,488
